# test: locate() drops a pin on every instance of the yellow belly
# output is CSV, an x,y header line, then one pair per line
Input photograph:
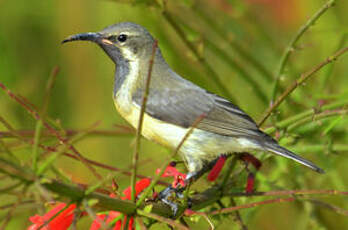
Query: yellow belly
x,y
153,129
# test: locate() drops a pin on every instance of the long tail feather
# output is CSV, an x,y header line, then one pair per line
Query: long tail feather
x,y
275,148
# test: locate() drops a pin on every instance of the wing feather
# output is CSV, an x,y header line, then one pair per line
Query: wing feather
x,y
182,106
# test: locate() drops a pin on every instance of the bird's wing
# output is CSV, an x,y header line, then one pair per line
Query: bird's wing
x,y
226,119
177,106
182,106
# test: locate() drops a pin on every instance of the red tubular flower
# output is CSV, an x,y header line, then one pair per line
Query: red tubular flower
x,y
109,218
214,173
64,219
251,159
139,187
250,183
61,222
130,223
179,178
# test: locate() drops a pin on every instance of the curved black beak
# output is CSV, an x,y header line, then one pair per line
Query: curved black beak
x,y
94,37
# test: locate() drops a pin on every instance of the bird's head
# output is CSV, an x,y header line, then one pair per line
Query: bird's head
x,y
122,41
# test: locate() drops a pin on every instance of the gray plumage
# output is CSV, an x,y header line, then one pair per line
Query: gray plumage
x,y
177,101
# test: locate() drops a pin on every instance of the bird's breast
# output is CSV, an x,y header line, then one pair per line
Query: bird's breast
x,y
156,130
153,129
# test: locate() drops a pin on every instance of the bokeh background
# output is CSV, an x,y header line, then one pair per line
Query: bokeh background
x,y
242,41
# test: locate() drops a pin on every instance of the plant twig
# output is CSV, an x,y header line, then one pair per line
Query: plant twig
x,y
335,148
304,77
210,71
162,219
251,205
329,206
93,216
10,214
309,113
244,74
68,133
237,47
199,201
238,217
38,128
20,133
36,116
291,47
141,119
319,116
289,193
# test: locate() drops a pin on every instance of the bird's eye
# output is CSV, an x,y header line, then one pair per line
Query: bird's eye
x,y
122,38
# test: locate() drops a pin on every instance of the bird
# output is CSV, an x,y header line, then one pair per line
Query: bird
x,y
174,103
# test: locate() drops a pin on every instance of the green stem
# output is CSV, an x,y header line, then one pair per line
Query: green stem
x,y
317,117
304,77
211,72
237,47
245,76
35,151
141,120
39,123
291,46
309,113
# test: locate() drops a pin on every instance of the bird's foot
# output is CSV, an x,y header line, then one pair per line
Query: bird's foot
x,y
166,196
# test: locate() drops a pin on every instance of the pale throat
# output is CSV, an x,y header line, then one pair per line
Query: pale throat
x,y
123,96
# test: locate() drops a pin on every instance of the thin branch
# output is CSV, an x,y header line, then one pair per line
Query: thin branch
x,y
291,47
290,192
162,219
36,115
18,134
304,77
329,206
309,113
251,205
236,46
38,127
317,117
141,119
70,132
50,160
9,214
238,67
334,148
238,217
93,216
75,193
210,71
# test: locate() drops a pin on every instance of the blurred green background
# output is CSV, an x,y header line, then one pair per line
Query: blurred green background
x,y
241,40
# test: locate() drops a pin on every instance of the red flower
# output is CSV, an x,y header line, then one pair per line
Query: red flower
x,y
214,173
110,217
250,183
64,219
179,178
61,222
251,159
139,187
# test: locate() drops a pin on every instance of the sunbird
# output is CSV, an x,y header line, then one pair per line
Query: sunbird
x,y
174,104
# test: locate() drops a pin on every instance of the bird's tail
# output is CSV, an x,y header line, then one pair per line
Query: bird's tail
x,y
275,148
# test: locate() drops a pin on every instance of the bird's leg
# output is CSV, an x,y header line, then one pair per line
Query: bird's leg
x,y
165,194
193,176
